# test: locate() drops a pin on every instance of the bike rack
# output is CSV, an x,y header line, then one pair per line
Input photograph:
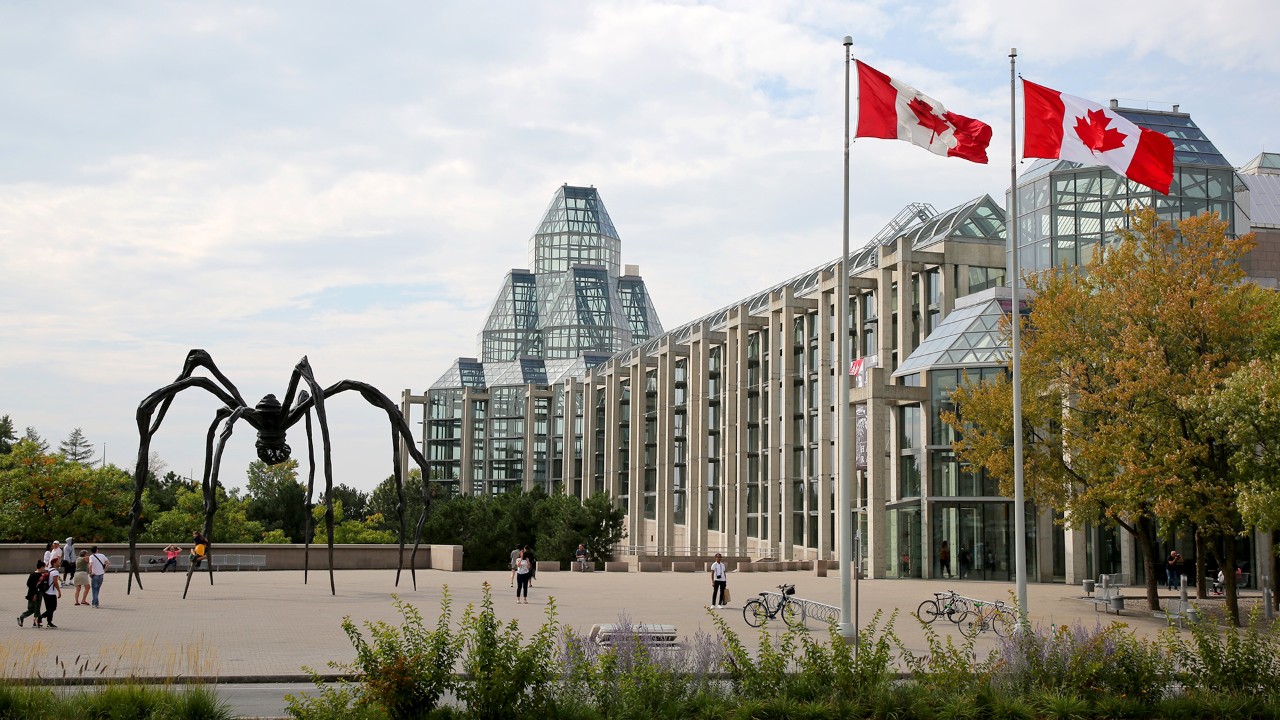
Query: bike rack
x,y
816,610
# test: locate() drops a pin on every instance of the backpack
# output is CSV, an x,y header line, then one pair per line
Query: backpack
x,y
42,585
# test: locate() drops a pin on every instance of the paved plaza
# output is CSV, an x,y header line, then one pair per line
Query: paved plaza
x,y
258,626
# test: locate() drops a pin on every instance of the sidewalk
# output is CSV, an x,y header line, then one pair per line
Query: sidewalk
x,y
264,626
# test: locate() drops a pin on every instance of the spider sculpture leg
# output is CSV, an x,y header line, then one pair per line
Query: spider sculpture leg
x,y
212,467
303,373
311,487
150,414
399,432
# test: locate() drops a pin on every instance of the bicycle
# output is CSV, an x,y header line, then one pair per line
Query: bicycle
x,y
995,616
758,610
952,605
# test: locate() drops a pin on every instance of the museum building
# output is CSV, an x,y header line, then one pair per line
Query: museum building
x,y
720,435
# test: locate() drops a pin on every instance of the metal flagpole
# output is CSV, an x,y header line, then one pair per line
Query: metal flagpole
x,y
1011,227
844,504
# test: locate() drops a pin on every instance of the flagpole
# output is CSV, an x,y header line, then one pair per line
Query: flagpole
x,y
1011,227
844,505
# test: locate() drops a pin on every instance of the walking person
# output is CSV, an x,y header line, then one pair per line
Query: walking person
x,y
69,561
515,561
1171,567
719,581
98,564
81,579
51,596
944,558
36,585
524,573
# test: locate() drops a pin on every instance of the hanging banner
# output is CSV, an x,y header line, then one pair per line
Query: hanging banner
x,y
858,369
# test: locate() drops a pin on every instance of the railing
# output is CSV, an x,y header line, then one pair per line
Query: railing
x,y
812,609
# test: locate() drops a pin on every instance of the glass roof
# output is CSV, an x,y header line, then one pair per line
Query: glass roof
x,y
967,337
979,220
468,372
1264,164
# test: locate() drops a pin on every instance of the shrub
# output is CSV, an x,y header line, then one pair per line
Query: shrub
x,y
1077,659
1221,660
506,678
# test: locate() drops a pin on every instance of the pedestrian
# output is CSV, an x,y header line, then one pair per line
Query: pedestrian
x,y
515,561
51,595
98,564
944,557
523,575
69,561
48,553
966,560
55,556
533,563
719,582
36,585
1171,567
81,579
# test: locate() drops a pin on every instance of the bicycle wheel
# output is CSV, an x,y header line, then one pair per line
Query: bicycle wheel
x,y
974,626
928,612
1003,623
957,612
793,614
754,613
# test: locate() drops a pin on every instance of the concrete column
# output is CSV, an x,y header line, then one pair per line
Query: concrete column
x,y
828,466
665,535
879,477
696,510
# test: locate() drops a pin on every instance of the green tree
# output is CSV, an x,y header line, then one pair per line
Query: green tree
x,y
44,497
276,499
8,436
355,502
77,448
1112,358
30,435
349,532
382,501
231,523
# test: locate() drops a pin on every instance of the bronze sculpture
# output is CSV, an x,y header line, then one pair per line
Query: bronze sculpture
x,y
272,419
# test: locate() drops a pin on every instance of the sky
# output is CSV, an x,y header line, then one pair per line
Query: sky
x,y
351,182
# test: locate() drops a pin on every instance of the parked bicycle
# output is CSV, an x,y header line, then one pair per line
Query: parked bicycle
x,y
949,604
996,616
765,607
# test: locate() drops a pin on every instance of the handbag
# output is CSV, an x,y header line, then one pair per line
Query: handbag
x,y
724,594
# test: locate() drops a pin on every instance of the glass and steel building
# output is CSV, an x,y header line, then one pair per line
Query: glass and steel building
x,y
719,435
498,421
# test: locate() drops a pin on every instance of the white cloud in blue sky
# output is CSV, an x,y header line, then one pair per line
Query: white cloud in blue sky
x,y
350,182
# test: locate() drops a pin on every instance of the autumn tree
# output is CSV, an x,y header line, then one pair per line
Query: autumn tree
x,y
1111,359
230,522
46,496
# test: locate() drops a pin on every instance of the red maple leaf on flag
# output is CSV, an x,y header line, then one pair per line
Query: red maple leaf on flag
x,y
1094,133
927,118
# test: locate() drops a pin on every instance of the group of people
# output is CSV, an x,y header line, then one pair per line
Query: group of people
x,y
62,566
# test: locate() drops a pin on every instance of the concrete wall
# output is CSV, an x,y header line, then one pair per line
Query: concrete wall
x,y
15,558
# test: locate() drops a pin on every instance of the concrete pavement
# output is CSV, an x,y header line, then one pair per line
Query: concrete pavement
x,y
261,626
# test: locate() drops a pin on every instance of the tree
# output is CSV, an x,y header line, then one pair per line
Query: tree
x,y
45,497
230,523
354,502
8,436
77,448
30,435
1111,361
276,499
349,532
382,501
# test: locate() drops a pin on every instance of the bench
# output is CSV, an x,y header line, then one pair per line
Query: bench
x,y
1217,588
648,634
1107,593
1178,611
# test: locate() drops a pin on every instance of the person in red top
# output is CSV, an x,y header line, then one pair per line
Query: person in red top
x,y
171,554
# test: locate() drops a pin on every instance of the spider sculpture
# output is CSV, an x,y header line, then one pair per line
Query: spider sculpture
x,y
272,419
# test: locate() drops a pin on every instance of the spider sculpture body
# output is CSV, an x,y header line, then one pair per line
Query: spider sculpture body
x,y
272,420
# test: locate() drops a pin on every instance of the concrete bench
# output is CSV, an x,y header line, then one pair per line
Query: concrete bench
x,y
646,633
650,566
548,566
682,566
616,566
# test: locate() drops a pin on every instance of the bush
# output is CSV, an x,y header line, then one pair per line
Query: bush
x,y
506,678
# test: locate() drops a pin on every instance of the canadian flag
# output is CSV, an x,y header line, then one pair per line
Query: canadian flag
x,y
894,110
1057,125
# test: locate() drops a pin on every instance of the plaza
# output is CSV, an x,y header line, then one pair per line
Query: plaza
x,y
267,626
